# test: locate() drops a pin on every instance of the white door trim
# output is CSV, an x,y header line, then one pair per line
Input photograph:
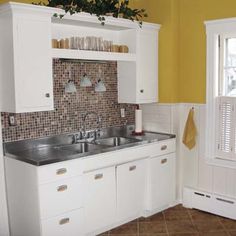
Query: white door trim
x,y
4,226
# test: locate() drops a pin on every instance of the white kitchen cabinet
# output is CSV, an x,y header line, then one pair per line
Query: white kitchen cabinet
x,y
100,198
52,208
137,70
138,82
162,182
26,55
131,189
25,59
88,196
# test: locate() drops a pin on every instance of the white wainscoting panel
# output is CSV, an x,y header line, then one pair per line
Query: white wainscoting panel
x,y
193,170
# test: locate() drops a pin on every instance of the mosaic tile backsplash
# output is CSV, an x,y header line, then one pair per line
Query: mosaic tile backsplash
x,y
70,107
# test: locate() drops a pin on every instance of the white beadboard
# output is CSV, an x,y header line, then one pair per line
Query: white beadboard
x,y
4,230
193,170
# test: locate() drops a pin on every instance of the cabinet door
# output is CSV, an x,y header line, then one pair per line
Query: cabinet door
x,y
147,66
131,179
33,64
100,198
162,179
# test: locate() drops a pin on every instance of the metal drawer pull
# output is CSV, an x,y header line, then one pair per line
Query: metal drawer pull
x,y
224,200
141,90
61,171
62,188
163,161
98,176
164,147
131,168
47,95
64,221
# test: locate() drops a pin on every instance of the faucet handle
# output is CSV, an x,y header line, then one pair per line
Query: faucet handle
x,y
78,136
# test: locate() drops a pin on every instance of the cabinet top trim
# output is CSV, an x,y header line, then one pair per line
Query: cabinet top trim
x,y
85,19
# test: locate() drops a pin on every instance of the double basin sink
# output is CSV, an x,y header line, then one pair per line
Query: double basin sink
x,y
99,144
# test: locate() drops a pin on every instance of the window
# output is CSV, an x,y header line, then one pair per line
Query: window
x,y
226,99
228,66
221,92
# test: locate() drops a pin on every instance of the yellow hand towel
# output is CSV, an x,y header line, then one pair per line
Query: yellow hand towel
x,y
190,131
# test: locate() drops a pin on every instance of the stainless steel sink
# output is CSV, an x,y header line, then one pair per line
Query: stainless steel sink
x,y
81,147
115,141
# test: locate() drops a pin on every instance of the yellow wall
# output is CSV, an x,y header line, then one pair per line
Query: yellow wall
x,y
182,53
192,44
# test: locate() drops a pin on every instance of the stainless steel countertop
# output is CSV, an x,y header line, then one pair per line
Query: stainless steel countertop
x,y
44,151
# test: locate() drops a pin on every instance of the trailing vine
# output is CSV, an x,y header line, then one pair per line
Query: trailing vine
x,y
100,8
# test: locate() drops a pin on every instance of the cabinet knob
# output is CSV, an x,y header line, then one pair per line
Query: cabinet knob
x,y
142,91
132,168
163,161
47,95
62,188
64,221
98,176
61,171
164,147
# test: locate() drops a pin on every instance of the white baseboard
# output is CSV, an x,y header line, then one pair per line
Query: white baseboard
x,y
213,203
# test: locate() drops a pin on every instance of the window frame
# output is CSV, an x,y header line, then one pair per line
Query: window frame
x,y
216,32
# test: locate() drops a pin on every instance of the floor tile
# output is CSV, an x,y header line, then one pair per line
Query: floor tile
x,y
152,227
207,226
156,234
228,224
201,215
232,233
177,221
184,234
178,207
156,217
213,234
180,226
126,229
176,215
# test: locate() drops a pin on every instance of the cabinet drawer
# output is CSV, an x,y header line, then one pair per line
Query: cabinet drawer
x,y
59,171
70,224
163,148
60,196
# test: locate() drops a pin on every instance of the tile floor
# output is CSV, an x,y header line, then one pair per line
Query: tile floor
x,y
177,221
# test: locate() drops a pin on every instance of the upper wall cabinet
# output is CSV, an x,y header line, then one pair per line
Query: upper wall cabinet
x,y
25,59
137,69
138,81
26,55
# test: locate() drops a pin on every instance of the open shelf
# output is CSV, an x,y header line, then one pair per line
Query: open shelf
x,y
92,55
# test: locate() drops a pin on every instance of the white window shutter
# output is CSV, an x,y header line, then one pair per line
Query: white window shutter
x,y
225,127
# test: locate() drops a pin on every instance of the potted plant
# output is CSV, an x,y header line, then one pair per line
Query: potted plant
x,y
100,8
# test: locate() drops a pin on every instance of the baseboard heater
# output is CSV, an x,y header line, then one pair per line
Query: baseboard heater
x,y
213,203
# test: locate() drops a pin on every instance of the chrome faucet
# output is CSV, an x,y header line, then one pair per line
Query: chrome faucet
x,y
99,121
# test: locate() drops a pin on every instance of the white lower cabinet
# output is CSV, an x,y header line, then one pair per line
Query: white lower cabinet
x,y
68,224
131,182
72,199
161,182
100,198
